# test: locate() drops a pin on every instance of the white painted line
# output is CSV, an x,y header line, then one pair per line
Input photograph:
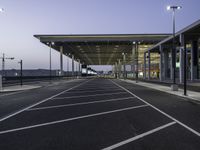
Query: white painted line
x,y
138,136
78,104
42,101
88,91
72,119
96,88
115,93
12,93
167,115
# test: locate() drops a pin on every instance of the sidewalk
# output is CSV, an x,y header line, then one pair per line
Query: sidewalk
x,y
190,94
18,88
38,84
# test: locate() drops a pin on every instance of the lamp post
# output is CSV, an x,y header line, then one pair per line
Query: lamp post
x,y
174,8
3,63
21,64
1,10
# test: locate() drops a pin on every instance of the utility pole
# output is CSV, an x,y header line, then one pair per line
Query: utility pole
x,y
21,64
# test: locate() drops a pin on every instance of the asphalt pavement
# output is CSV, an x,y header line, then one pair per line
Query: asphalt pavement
x,y
94,114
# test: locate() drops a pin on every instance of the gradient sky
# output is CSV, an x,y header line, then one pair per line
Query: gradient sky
x,y
24,18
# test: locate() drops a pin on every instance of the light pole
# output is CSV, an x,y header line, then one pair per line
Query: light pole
x,y
50,70
1,10
21,64
174,8
3,63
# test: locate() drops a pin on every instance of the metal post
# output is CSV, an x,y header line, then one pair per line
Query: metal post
x,y
21,64
174,50
3,65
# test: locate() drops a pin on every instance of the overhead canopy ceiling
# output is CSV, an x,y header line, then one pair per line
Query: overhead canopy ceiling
x,y
103,49
191,32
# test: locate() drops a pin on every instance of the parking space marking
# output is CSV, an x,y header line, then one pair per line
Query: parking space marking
x,y
89,95
78,104
42,101
72,119
139,136
167,115
88,91
96,88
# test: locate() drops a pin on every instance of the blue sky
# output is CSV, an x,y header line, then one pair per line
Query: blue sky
x,y
24,18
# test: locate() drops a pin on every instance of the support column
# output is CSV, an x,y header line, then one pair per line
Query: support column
x,y
61,60
194,60
149,65
119,68
181,58
116,69
171,66
145,65
165,65
161,63
72,65
79,68
124,64
133,60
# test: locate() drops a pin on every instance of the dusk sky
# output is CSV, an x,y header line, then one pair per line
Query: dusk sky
x,y
24,18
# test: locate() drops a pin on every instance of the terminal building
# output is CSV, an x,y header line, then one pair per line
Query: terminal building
x,y
145,56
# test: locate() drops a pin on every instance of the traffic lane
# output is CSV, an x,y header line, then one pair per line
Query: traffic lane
x,y
88,133
183,110
172,138
91,92
94,88
34,117
77,99
11,103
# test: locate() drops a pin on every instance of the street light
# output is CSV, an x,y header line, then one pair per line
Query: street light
x,y
3,63
21,64
1,10
174,8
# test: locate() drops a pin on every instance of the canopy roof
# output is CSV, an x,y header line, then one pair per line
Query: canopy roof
x,y
99,49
